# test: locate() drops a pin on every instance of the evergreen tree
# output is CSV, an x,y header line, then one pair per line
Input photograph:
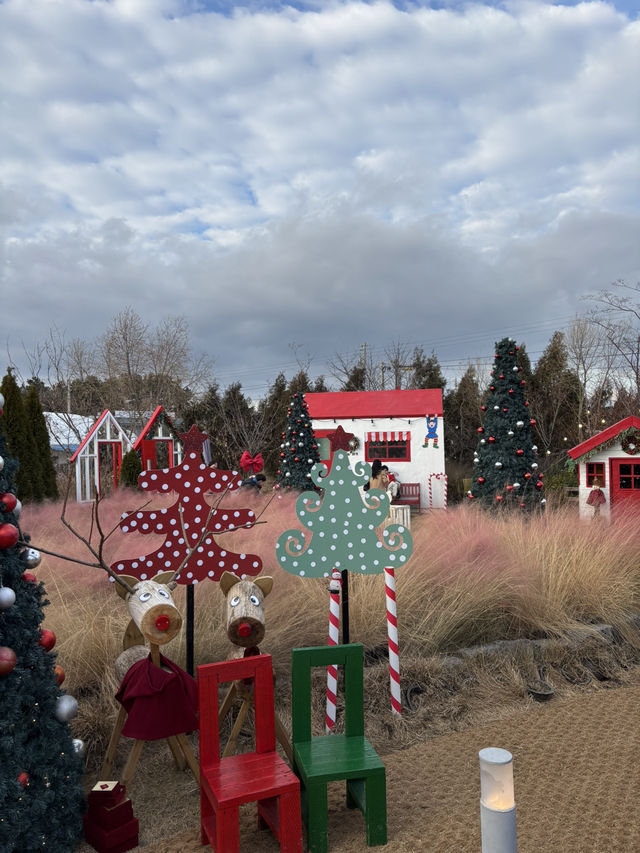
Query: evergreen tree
x,y
38,426
299,450
20,442
40,770
461,411
130,468
506,470
427,372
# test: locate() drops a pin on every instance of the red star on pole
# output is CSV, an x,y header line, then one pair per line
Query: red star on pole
x,y
193,440
340,439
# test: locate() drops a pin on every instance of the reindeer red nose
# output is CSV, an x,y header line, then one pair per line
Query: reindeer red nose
x,y
163,622
244,629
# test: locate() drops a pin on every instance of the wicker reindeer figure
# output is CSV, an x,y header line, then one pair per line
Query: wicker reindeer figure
x,y
158,699
246,629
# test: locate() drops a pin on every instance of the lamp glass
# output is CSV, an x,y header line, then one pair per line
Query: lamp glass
x,y
496,779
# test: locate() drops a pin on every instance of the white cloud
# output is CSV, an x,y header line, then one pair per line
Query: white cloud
x,y
350,173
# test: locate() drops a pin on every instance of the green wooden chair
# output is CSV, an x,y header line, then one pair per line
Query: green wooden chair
x,y
328,758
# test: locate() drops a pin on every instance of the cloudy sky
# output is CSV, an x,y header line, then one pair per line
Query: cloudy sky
x,y
302,178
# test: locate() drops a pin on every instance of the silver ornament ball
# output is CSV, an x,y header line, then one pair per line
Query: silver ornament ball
x,y
66,708
7,597
31,558
79,747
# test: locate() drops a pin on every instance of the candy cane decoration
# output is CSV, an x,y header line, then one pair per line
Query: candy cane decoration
x,y
392,637
335,586
437,476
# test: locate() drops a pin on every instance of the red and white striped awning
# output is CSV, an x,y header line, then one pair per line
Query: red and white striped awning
x,y
388,436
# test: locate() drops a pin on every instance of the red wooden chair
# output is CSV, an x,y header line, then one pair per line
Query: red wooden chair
x,y
261,776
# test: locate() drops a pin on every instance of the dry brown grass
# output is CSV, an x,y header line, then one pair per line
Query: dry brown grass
x,y
473,578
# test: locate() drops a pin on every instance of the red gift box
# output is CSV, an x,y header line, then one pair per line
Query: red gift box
x,y
107,793
115,840
109,817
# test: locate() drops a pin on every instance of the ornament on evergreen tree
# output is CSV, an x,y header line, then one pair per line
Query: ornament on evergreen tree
x,y
66,708
59,674
29,577
8,502
1,462
78,747
8,660
23,778
31,558
7,597
9,535
47,639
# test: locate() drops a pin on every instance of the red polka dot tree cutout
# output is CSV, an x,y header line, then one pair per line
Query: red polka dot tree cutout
x,y
191,523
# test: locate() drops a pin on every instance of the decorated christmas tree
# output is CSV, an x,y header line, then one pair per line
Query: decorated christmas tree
x,y
299,450
505,466
41,797
341,526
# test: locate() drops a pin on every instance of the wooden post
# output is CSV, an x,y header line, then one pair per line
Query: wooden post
x,y
345,607
190,624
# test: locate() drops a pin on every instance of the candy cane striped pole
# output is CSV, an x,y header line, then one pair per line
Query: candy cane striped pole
x,y
445,481
334,632
392,637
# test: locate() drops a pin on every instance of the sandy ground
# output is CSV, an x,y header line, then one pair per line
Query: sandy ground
x,y
577,780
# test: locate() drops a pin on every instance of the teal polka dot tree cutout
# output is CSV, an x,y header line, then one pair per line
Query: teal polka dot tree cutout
x,y
341,526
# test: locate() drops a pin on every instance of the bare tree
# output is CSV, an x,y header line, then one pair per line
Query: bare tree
x,y
618,317
356,371
592,357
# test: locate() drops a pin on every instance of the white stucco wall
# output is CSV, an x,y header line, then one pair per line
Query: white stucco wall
x,y
425,464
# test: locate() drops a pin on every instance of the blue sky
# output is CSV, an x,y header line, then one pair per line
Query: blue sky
x,y
300,179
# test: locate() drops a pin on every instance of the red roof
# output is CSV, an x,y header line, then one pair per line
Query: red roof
x,y
606,435
151,423
374,404
88,436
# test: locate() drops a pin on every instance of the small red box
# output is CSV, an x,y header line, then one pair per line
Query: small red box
x,y
107,793
115,840
108,817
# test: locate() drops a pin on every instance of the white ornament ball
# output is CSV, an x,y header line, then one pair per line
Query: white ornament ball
x,y
66,708
534,464
483,441
498,465
495,408
1,463
31,558
516,485
520,424
7,597
543,501
510,432
534,447
78,746
17,509
288,474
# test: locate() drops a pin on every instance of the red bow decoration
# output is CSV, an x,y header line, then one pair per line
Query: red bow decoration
x,y
251,463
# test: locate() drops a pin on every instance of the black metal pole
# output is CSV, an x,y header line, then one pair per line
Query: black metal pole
x,y
345,607
190,621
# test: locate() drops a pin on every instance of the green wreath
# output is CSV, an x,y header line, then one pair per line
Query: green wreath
x,y
354,444
630,441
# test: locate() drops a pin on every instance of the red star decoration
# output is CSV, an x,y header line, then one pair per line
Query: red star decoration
x,y
193,440
340,439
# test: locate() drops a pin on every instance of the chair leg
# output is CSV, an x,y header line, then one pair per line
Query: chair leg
x,y
228,830
316,807
132,761
207,819
290,823
107,764
375,813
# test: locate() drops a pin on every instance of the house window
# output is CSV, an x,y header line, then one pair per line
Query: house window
x,y
595,470
629,476
388,446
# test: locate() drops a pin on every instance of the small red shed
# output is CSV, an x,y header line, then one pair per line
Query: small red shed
x,y
98,458
159,444
612,458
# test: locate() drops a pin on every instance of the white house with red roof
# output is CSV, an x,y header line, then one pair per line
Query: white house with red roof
x,y
403,429
610,460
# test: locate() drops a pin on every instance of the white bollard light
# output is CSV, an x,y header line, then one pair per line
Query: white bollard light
x,y
497,802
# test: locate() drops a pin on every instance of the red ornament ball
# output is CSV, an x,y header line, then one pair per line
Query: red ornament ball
x,y
509,488
8,660
502,376
47,639
483,408
539,484
519,452
527,475
23,778
511,390
498,498
491,440
8,535
30,577
481,480
8,502
480,429
532,422
58,671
